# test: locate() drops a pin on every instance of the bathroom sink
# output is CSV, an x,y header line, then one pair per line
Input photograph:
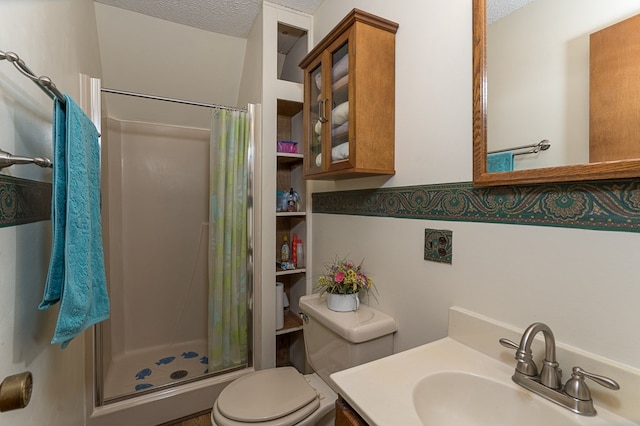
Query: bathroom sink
x,y
448,383
454,398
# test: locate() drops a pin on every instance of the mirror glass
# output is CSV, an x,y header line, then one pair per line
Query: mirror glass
x,y
560,72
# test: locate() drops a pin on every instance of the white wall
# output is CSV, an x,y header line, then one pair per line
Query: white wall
x,y
57,39
582,283
153,56
250,90
289,69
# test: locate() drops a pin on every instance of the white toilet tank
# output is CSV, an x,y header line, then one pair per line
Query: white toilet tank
x,y
335,341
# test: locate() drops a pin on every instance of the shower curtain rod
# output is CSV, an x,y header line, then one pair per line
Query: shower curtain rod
x,y
165,99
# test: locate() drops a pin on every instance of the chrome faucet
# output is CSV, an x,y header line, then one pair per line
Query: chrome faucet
x,y
550,375
574,395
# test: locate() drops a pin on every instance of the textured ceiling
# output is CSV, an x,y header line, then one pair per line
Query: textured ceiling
x,y
235,17
230,17
497,9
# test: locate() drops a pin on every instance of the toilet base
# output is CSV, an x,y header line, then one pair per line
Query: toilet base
x,y
325,415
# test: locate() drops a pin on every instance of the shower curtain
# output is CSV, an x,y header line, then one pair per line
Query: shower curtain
x,y
228,186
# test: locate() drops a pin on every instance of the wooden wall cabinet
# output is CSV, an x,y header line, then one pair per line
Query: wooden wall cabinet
x,y
349,100
614,110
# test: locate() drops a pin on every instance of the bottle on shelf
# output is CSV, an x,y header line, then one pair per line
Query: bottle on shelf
x,y
284,250
299,262
294,254
293,201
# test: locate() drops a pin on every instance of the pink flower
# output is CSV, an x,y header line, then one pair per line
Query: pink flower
x,y
339,277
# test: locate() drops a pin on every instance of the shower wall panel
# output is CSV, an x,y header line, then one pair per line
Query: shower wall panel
x,y
158,208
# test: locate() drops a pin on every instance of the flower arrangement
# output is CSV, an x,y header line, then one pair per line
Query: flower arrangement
x,y
343,277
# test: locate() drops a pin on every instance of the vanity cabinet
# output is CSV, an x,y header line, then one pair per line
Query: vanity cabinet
x,y
347,416
349,100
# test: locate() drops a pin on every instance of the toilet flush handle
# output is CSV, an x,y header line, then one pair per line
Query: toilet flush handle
x,y
304,317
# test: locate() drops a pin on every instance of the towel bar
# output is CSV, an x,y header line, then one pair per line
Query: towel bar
x,y
7,160
43,82
47,86
543,145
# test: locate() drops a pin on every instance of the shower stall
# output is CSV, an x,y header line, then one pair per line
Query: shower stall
x,y
153,351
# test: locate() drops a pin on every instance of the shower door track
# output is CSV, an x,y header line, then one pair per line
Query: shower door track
x,y
167,386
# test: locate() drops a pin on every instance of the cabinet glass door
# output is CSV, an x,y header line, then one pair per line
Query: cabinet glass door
x,y
339,120
317,118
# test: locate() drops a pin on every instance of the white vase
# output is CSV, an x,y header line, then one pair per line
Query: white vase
x,y
343,302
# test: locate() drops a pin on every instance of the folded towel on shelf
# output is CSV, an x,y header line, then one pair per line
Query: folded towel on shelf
x,y
339,70
83,295
337,85
337,131
340,114
344,128
500,162
338,153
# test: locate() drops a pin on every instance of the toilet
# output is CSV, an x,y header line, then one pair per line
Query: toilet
x,y
334,341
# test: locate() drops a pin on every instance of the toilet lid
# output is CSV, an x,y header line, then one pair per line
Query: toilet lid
x,y
265,395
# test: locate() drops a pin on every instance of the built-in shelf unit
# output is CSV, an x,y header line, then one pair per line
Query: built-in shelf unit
x,y
283,92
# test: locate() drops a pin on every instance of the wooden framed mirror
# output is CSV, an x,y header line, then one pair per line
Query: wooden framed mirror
x,y
590,170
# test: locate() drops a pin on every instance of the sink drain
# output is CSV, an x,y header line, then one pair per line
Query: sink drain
x,y
179,374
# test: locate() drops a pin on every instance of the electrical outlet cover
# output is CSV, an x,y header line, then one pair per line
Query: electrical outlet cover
x,y
438,245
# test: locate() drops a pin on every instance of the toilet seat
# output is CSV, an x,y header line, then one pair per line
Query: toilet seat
x,y
272,397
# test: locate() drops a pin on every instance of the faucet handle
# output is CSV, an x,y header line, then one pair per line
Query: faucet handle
x,y
509,343
526,365
577,388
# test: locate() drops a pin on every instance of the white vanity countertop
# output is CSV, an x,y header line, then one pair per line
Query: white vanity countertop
x,y
382,391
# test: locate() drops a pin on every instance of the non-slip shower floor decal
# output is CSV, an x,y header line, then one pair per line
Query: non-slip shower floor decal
x,y
170,368
144,369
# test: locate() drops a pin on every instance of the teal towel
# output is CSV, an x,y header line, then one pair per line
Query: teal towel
x,y
55,277
83,289
500,162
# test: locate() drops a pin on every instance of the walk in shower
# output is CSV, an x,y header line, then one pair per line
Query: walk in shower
x,y
156,198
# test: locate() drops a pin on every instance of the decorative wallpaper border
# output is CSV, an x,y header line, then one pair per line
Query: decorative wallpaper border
x,y
602,205
23,201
